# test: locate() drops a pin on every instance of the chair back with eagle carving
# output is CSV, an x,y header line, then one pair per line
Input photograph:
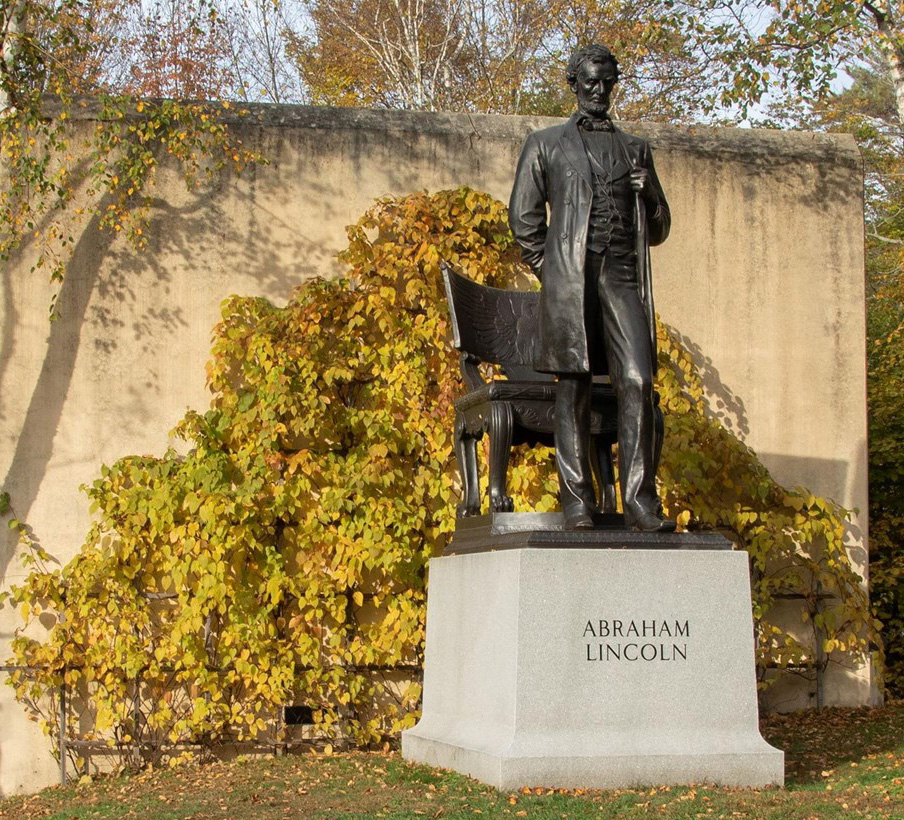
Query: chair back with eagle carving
x,y
500,327
494,325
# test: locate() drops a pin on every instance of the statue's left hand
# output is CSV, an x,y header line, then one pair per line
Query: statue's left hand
x,y
640,180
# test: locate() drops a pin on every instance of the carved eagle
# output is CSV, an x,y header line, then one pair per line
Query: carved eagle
x,y
495,325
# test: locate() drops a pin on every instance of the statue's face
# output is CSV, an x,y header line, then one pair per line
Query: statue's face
x,y
594,86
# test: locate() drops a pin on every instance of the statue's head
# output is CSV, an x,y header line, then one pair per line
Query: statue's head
x,y
592,74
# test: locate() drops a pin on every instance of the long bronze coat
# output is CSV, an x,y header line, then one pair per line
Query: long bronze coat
x,y
554,169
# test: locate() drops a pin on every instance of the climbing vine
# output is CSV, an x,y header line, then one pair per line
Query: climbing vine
x,y
64,169
76,150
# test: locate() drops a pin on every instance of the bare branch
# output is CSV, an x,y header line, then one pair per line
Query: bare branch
x,y
886,239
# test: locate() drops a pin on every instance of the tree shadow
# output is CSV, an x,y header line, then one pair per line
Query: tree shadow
x,y
34,446
10,314
104,275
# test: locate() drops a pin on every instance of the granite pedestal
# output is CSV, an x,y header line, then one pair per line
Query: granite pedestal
x,y
579,667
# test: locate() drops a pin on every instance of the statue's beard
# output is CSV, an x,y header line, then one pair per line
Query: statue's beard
x,y
598,110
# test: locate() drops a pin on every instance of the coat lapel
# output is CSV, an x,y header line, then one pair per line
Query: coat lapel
x,y
628,156
573,148
625,158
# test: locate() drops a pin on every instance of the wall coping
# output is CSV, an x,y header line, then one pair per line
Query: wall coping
x,y
754,145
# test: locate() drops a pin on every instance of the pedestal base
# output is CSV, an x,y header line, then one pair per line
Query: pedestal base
x,y
592,668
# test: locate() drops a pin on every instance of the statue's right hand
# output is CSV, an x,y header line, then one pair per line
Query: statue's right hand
x,y
534,262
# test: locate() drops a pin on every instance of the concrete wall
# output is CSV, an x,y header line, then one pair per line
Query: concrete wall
x,y
763,276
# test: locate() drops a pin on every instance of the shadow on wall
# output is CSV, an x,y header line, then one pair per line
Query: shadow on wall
x,y
821,476
794,691
280,224
723,404
815,474
183,237
34,445
812,473
10,313
103,276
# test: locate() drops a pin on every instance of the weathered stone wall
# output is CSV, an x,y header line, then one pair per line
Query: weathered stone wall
x,y
762,276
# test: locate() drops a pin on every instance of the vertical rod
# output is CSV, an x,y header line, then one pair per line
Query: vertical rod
x,y
63,732
136,719
821,660
136,706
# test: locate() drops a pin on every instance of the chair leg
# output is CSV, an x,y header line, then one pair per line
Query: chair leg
x,y
466,455
500,430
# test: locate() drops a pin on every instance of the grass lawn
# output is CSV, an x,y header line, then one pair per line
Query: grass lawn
x,y
839,763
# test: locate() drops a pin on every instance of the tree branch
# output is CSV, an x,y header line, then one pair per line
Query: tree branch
x,y
887,239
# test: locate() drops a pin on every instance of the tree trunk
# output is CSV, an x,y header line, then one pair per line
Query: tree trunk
x,y
891,44
10,47
894,59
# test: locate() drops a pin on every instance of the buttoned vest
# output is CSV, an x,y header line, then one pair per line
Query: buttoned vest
x,y
612,209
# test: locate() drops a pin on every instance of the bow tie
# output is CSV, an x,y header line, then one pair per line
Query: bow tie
x,y
590,124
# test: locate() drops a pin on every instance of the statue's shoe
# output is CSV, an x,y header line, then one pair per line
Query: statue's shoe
x,y
579,517
650,522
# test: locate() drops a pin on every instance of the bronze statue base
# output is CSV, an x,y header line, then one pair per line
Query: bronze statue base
x,y
504,531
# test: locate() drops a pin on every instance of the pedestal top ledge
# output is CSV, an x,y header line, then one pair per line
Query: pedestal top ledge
x,y
505,531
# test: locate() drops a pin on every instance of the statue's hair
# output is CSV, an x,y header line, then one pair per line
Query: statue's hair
x,y
593,54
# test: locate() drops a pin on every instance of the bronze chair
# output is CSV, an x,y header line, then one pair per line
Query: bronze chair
x,y
499,327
